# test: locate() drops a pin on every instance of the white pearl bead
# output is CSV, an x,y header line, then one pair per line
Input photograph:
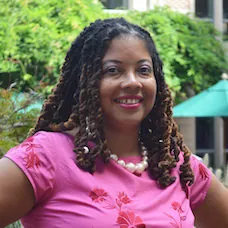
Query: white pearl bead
x,y
121,162
145,158
145,163
139,168
86,149
131,167
114,157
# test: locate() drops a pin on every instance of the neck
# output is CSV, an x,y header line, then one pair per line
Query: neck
x,y
123,142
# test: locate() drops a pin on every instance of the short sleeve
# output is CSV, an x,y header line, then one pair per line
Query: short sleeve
x,y
35,158
198,190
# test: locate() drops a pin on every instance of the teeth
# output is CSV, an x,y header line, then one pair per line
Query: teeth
x,y
128,101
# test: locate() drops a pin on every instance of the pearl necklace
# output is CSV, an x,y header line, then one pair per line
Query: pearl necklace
x,y
137,168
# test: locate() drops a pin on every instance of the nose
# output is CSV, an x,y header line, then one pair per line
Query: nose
x,y
131,81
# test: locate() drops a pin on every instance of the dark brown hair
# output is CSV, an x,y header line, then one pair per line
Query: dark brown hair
x,y
75,102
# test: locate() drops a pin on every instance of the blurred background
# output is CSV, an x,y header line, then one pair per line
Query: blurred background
x,y
191,37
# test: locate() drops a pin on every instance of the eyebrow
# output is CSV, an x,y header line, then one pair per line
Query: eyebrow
x,y
144,60
117,61
111,60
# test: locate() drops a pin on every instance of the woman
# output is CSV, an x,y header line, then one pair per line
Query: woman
x,y
105,151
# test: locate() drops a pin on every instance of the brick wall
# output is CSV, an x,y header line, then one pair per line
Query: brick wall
x,y
183,6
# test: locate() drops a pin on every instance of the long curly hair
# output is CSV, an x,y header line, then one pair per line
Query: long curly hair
x,y
75,102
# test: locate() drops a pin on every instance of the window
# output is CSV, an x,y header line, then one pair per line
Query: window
x,y
225,10
204,8
205,138
115,4
204,133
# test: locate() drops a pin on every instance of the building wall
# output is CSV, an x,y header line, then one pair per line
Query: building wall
x,y
187,128
184,6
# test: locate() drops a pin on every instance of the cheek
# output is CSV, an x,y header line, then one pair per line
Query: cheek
x,y
104,88
107,88
151,88
106,92
151,91
155,92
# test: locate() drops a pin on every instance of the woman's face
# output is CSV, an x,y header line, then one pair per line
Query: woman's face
x,y
128,86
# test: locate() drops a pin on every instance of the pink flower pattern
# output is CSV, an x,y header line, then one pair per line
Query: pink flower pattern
x,y
177,207
203,172
121,199
98,195
128,219
31,158
125,218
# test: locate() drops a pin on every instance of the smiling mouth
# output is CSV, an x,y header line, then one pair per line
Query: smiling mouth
x,y
128,101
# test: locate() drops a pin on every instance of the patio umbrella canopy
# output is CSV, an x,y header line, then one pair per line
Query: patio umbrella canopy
x,y
211,102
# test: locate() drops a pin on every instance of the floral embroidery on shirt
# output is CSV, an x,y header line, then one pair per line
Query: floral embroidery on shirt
x,y
203,172
177,207
122,198
98,195
29,144
31,158
126,218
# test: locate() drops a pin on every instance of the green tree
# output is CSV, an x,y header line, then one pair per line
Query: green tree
x,y
16,118
35,35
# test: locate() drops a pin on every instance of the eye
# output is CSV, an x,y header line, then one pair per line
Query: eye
x,y
112,70
145,70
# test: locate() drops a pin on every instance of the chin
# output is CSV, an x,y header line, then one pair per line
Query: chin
x,y
129,121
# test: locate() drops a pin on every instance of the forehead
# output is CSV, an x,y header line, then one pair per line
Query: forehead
x,y
127,47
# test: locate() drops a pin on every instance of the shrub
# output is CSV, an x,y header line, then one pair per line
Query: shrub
x,y
35,35
16,118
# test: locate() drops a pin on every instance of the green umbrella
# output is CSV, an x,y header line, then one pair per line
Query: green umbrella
x,y
211,102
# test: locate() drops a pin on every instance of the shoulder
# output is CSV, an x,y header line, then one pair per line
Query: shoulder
x,y
42,148
39,158
202,179
201,171
213,212
46,137
43,140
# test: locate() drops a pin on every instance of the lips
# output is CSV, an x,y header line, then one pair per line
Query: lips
x,y
129,100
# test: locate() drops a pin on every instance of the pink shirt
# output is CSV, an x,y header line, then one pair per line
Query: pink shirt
x,y
68,197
